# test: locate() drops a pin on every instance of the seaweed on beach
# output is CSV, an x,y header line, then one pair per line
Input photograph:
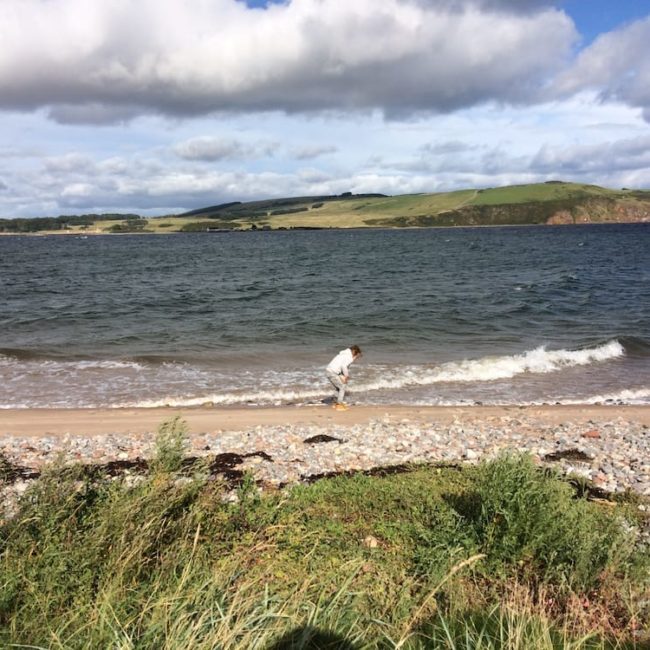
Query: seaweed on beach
x,y
11,472
225,466
574,455
321,438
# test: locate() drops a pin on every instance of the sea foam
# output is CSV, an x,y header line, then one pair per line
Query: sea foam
x,y
640,396
57,365
485,369
492,368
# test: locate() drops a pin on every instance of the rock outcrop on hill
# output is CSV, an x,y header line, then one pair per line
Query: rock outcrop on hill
x,y
604,211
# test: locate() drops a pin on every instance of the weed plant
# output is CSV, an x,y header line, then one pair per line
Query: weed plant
x,y
171,444
498,556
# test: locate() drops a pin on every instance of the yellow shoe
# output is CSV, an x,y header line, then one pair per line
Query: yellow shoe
x,y
341,407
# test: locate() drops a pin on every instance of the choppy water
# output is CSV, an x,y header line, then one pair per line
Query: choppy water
x,y
444,316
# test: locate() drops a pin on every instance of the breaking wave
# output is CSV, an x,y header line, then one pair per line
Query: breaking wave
x,y
539,360
485,369
54,365
631,397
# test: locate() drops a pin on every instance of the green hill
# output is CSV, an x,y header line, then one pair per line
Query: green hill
x,y
553,202
539,203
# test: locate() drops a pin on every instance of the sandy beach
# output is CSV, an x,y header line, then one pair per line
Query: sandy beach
x,y
608,445
92,422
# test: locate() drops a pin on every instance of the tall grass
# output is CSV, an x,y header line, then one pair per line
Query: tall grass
x,y
475,559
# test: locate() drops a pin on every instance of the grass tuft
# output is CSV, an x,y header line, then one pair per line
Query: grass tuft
x,y
171,444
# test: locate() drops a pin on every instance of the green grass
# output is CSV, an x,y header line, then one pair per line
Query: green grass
x,y
540,192
498,556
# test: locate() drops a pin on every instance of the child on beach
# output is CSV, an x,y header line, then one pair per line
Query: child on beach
x,y
338,373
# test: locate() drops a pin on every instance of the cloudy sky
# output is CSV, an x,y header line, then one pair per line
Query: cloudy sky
x,y
158,107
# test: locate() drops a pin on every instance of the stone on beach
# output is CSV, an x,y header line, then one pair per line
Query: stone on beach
x,y
278,455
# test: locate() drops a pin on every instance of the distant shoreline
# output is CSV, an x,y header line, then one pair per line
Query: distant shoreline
x,y
83,234
545,203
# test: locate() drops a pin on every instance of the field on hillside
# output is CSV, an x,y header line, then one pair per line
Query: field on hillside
x,y
445,208
540,192
354,213
518,204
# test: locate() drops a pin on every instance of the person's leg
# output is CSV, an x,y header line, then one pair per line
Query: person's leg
x,y
335,380
341,397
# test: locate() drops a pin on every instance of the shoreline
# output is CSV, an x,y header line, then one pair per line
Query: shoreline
x,y
88,422
606,446
82,233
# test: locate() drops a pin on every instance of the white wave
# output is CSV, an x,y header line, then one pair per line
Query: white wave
x,y
257,398
539,360
105,365
630,397
55,364
484,369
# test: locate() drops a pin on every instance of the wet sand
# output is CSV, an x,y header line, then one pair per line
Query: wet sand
x,y
92,422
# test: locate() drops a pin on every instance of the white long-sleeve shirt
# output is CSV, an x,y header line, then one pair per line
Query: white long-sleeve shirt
x,y
341,362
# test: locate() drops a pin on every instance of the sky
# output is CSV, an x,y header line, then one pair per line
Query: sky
x,y
160,107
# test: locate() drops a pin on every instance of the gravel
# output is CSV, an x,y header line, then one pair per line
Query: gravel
x,y
613,454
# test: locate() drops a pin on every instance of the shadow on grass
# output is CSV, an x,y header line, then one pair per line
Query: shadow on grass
x,y
311,638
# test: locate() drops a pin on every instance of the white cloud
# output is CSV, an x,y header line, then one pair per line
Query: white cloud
x,y
508,6
78,190
70,162
135,168
208,148
115,165
148,188
617,65
102,61
446,147
599,158
308,152
314,176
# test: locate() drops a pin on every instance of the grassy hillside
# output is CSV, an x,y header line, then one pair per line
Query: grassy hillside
x,y
552,202
550,191
539,203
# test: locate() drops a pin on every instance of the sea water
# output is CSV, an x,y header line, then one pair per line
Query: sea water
x,y
514,315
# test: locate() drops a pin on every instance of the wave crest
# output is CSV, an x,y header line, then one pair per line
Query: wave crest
x,y
539,360
485,369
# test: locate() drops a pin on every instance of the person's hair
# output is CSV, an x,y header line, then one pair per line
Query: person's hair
x,y
356,350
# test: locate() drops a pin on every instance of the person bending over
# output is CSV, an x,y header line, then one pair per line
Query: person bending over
x,y
338,371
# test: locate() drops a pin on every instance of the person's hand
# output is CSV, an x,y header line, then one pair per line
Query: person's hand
x,y
344,379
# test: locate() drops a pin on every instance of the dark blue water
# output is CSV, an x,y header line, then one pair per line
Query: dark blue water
x,y
498,315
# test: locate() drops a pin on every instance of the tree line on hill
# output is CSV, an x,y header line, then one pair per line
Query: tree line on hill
x,y
259,209
62,222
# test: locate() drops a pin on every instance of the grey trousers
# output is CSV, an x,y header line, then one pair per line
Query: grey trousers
x,y
337,382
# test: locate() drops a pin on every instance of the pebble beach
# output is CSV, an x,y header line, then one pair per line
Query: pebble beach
x,y
608,446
